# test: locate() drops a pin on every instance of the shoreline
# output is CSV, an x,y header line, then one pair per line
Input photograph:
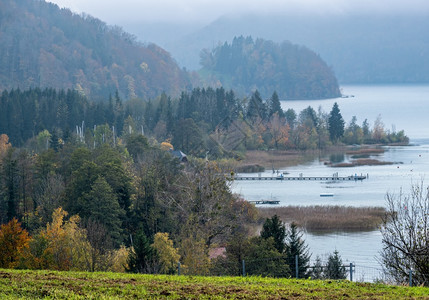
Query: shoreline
x,y
279,159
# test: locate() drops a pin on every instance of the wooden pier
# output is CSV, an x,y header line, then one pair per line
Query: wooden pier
x,y
303,178
264,202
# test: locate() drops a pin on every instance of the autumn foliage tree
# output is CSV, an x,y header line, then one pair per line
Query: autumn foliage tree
x,y
168,256
13,242
4,144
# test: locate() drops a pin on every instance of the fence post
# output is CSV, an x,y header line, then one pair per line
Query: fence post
x,y
351,271
178,268
411,277
296,267
244,268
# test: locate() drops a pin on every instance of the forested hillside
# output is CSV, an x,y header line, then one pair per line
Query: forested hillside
x,y
361,48
44,46
293,71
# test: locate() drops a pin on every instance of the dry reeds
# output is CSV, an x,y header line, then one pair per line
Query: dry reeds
x,y
362,162
277,158
328,218
366,151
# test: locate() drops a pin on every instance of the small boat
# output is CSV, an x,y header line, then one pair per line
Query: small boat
x,y
326,195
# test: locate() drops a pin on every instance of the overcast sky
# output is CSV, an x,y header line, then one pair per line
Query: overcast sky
x,y
115,12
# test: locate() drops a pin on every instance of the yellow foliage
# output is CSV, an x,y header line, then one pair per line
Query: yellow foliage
x,y
67,246
168,255
4,144
166,146
195,257
119,260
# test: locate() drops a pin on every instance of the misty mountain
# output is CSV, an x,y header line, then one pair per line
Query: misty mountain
x,y
293,71
361,49
45,46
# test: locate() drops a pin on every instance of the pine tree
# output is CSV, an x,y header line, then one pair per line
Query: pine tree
x,y
275,106
336,124
102,205
335,268
256,108
275,228
142,256
295,246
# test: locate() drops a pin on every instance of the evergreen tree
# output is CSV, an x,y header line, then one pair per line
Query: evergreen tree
x,y
142,257
263,259
274,227
335,268
335,124
256,107
102,205
317,272
55,141
275,106
290,116
295,246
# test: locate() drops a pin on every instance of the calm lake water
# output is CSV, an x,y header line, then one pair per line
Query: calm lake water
x,y
401,107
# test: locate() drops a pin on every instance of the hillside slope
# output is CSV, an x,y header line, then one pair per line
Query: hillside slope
x,y
294,72
360,48
45,46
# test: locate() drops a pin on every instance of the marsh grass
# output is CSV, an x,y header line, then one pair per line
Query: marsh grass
x,y
363,162
276,158
367,151
327,218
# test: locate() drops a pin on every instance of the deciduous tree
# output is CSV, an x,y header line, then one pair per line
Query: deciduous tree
x,y
13,243
405,235
168,255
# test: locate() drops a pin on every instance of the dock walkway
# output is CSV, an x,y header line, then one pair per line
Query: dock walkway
x,y
264,201
309,178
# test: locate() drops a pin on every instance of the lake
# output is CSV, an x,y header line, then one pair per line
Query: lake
x,y
401,107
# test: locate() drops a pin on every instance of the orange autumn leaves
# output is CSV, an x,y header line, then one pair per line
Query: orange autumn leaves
x,y
14,241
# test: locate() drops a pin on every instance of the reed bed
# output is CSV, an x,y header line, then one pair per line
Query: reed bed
x,y
327,218
363,162
366,151
277,158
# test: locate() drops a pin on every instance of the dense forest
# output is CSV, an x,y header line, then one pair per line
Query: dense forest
x,y
95,186
295,72
45,46
200,122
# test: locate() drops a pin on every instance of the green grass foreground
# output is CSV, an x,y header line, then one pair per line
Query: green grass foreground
x,y
18,284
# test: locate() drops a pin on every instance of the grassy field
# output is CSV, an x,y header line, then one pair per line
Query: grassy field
x,y
16,284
